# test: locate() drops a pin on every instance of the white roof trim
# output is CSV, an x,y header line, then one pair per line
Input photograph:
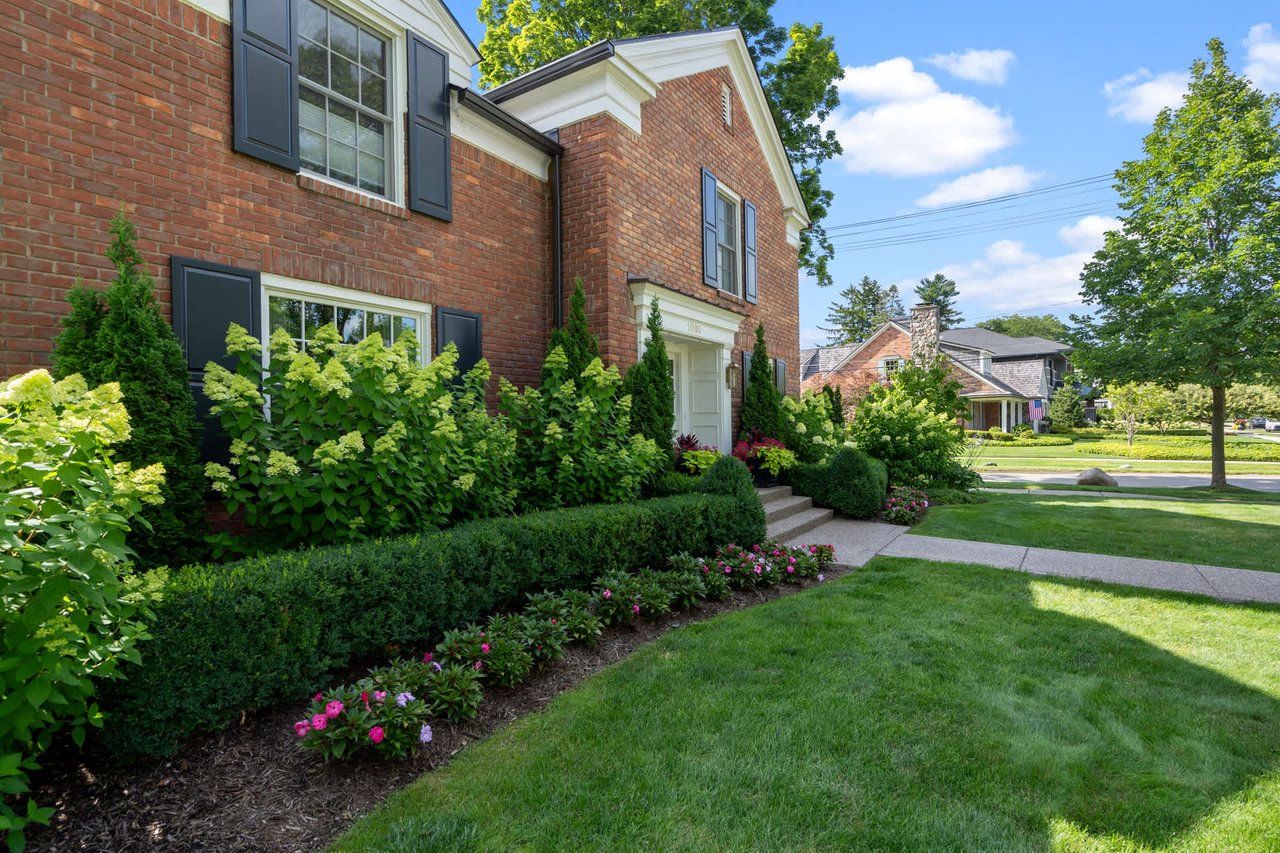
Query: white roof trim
x,y
673,56
683,315
504,145
614,86
877,333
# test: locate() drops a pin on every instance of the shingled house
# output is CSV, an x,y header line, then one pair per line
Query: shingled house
x,y
1007,381
292,163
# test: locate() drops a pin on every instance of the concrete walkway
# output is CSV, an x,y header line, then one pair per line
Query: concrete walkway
x,y
857,542
1069,493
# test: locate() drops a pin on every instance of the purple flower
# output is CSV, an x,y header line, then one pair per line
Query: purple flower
x,y
436,666
404,698
424,736
821,578
635,608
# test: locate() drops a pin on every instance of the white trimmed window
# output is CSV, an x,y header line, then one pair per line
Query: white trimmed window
x,y
345,105
889,366
728,241
300,308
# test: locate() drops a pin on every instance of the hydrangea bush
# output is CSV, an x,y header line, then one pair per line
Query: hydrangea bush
x,y
345,442
69,608
916,442
808,427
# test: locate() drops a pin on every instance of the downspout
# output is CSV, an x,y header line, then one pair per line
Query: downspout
x,y
557,248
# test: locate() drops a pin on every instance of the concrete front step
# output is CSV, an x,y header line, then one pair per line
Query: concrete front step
x,y
773,493
787,529
776,510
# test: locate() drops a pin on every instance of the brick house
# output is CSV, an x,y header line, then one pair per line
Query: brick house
x,y
290,163
1007,381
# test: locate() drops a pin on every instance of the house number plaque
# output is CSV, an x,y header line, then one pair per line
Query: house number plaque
x,y
695,327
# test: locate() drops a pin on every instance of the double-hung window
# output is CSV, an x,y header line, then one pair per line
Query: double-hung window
x,y
301,308
727,242
345,129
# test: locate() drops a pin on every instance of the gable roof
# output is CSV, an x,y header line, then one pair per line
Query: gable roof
x,y
619,75
1001,346
823,359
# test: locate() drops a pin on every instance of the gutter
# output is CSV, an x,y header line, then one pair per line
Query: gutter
x,y
481,105
589,55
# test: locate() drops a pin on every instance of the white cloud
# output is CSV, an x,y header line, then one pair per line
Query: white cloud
x,y
1263,67
1141,95
1009,278
812,336
980,66
980,186
891,80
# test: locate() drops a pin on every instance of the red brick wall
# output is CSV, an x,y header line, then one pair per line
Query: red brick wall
x,y
113,104
890,343
633,208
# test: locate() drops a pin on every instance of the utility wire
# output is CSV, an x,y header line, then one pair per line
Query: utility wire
x,y
973,228
1074,207
901,226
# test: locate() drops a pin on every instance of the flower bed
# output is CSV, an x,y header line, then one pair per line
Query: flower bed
x,y
905,505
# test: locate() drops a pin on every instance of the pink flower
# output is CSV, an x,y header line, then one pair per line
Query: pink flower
x,y
635,608
479,665
426,658
317,698
301,727
318,722
364,697
379,695
376,734
791,570
484,648
821,578
607,595
334,708
758,570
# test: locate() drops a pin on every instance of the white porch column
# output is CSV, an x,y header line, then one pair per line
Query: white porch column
x,y
1004,415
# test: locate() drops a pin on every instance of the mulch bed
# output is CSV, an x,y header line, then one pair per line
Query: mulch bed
x,y
253,788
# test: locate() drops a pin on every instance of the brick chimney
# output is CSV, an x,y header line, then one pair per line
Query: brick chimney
x,y
924,331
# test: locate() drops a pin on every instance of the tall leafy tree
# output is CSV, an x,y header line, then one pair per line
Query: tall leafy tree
x,y
941,291
648,381
121,336
761,401
862,307
1044,326
574,338
1186,288
798,69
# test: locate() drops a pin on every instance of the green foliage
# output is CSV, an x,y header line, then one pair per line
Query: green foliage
x,y
1130,404
861,309
761,402
358,441
455,692
1148,450
1184,289
850,482
1194,402
930,380
941,291
808,427
905,505
120,336
574,338
941,495
798,68
648,383
232,638
698,462
70,612
573,439
1065,409
835,404
1044,326
1246,401
345,720
675,483
1008,440
916,442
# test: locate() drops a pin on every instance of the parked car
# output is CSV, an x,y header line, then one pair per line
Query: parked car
x,y
1272,425
1258,423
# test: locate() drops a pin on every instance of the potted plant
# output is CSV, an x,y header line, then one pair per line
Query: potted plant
x,y
765,458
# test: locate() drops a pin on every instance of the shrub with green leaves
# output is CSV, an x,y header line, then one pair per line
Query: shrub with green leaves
x,y
70,611
342,443
573,439
648,383
850,482
617,597
808,429
454,692
761,402
574,338
915,441
120,335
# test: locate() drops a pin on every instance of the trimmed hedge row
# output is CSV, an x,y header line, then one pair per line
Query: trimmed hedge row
x,y
1040,441
850,482
1151,450
234,638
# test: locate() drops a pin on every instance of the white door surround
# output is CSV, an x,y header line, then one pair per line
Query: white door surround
x,y
699,339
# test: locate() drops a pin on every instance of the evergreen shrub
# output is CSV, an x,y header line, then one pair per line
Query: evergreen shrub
x,y
850,482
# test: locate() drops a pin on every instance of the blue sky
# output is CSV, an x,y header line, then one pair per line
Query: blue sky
x,y
947,103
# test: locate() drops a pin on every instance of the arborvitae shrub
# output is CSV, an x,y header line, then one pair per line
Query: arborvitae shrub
x,y
761,403
574,339
649,384
120,336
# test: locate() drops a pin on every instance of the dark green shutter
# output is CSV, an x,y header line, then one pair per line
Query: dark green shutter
x,y
749,244
264,81
746,371
461,328
207,299
710,267
780,375
430,189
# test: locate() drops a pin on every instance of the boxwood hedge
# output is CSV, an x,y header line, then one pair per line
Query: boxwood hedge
x,y
850,482
229,639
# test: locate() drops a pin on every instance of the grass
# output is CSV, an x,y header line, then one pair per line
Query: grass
x,y
1230,493
909,706
1240,535
1070,458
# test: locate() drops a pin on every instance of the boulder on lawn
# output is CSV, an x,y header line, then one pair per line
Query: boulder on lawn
x,y
1095,477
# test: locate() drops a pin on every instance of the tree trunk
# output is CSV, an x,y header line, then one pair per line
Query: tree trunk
x,y
1217,443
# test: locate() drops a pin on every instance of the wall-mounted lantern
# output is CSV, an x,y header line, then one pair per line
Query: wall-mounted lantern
x,y
733,376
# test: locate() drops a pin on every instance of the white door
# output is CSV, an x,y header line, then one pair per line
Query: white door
x,y
706,399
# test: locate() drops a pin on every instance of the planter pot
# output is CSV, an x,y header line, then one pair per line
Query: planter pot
x,y
763,479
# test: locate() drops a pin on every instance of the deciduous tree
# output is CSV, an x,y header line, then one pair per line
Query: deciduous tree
x,y
1044,326
1185,290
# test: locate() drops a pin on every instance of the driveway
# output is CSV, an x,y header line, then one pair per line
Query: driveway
x,y
1260,482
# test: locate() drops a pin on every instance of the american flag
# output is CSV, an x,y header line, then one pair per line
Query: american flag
x,y
1037,410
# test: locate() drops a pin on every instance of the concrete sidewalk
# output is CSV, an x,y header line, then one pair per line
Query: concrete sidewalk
x,y
857,542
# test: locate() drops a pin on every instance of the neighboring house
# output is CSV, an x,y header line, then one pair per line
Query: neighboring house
x,y
1006,381
301,162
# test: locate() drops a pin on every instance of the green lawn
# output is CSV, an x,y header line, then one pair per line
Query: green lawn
x,y
1241,535
1069,458
908,706
1230,493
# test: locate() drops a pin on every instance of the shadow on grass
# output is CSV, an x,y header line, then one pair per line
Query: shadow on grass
x,y
1171,531
910,706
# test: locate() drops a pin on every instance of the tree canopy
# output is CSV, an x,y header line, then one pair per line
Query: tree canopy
x,y
798,69
941,291
1185,290
861,308
1044,326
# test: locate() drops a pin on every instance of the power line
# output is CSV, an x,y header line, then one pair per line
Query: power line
x,y
1016,218
998,200
1024,221
971,213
